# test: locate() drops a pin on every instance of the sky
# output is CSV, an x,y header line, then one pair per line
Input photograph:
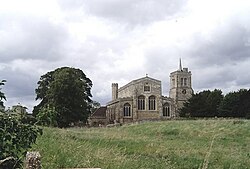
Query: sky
x,y
122,40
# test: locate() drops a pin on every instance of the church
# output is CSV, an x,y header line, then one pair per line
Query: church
x,y
142,99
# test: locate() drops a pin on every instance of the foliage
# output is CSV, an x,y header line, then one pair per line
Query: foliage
x,y
168,144
28,119
67,91
47,116
2,95
94,106
203,104
236,104
16,139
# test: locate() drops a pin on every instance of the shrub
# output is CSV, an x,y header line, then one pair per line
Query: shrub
x,y
16,139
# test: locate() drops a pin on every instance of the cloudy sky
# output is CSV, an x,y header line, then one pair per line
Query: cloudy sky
x,y
122,40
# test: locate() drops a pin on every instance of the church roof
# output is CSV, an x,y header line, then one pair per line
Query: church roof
x,y
100,112
145,78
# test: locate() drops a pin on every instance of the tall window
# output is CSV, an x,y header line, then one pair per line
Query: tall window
x,y
127,110
182,81
151,103
141,103
185,81
166,110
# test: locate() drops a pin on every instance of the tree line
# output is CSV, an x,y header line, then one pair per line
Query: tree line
x,y
208,103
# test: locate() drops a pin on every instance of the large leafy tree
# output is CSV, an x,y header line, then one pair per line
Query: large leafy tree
x,y
66,92
203,104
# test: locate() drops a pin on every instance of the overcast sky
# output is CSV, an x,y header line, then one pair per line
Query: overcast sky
x,y
122,40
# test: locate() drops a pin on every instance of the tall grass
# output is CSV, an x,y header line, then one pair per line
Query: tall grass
x,y
169,144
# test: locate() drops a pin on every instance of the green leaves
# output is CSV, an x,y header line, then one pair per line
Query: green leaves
x,y
67,90
213,103
47,116
203,104
16,138
236,104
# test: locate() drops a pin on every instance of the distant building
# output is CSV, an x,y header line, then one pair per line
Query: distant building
x,y
17,109
142,99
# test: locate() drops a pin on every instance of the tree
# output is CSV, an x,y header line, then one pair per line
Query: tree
x,y
94,106
67,92
16,139
213,102
2,95
47,116
236,104
203,104
230,105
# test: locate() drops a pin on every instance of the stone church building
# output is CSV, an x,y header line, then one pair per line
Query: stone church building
x,y
142,99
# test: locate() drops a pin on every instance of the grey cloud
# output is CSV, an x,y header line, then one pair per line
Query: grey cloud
x,y
212,77
19,84
30,37
218,60
226,46
132,12
158,59
20,87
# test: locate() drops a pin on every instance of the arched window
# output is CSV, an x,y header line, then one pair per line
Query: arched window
x,y
141,103
166,110
151,103
127,110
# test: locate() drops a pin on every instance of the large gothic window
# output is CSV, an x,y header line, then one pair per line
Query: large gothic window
x,y
141,103
166,110
151,103
127,110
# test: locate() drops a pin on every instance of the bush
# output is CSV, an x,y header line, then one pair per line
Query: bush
x,y
16,139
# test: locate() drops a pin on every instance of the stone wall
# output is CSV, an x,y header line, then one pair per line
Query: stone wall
x,y
98,121
147,115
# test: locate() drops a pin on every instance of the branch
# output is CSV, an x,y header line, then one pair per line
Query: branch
x,y
6,159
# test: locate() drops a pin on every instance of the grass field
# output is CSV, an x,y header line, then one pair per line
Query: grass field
x,y
154,145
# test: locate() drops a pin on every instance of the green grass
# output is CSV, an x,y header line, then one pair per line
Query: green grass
x,y
170,144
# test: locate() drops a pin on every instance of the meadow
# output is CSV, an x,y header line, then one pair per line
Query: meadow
x,y
184,144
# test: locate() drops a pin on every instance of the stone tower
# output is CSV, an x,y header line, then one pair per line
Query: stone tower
x,y
180,86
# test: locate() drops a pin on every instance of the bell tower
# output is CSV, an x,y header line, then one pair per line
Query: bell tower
x,y
180,86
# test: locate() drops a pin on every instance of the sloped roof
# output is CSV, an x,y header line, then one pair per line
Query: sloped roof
x,y
138,80
101,112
